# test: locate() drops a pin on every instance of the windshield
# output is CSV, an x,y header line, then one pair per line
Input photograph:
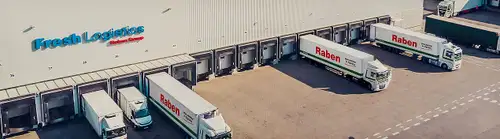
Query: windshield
x,y
116,133
382,76
457,56
141,113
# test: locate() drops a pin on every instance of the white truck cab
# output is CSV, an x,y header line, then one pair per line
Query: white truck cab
x,y
377,75
113,127
105,117
452,55
214,127
135,107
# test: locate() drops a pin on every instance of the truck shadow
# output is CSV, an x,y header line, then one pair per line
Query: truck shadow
x,y
398,61
478,53
319,78
77,128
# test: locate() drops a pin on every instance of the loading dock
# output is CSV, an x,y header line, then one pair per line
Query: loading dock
x,y
288,47
386,19
366,27
325,33
57,102
355,32
18,109
340,34
184,69
225,59
247,56
268,51
89,83
125,77
204,64
151,70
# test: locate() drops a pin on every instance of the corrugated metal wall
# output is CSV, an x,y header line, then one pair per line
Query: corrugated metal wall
x,y
171,27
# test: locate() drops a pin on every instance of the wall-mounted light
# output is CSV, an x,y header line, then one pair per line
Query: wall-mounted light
x,y
28,29
165,11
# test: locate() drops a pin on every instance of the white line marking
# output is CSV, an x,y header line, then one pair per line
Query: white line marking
x,y
478,91
366,138
427,120
478,97
446,111
409,120
395,133
435,115
485,88
385,138
486,99
454,107
492,85
494,101
418,116
462,97
486,94
416,124
398,125
437,108
461,104
379,137
454,101
428,112
388,129
376,134
406,128
470,100
494,90
445,105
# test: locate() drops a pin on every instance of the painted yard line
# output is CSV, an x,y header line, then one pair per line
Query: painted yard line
x,y
376,134
395,133
486,98
454,101
478,97
446,111
486,94
437,108
418,116
406,128
427,120
388,129
409,120
436,115
494,101
494,90
385,138
428,112
470,100
454,107
461,104
398,124
416,124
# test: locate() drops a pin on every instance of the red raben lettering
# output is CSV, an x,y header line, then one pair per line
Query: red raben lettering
x,y
402,40
169,105
326,54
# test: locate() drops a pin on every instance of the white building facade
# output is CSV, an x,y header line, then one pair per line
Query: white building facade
x,y
45,40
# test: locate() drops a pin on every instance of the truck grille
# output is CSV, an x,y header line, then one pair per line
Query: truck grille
x,y
382,86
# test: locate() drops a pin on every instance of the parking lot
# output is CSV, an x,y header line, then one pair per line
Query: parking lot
x,y
162,128
296,100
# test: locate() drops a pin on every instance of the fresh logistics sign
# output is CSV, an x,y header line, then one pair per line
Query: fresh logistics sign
x,y
41,43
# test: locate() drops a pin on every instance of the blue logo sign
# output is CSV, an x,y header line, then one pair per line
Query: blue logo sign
x,y
42,43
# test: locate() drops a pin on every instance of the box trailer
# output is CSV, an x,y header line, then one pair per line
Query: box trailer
x,y
105,117
193,114
431,49
348,62
470,33
450,8
135,107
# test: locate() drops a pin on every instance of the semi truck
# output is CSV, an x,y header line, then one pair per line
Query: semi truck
x,y
193,114
355,65
135,107
450,8
430,49
105,117
475,34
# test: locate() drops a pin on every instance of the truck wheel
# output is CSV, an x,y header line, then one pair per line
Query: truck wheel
x,y
369,85
444,66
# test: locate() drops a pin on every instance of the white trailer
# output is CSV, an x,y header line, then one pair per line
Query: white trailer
x,y
350,63
104,115
196,116
432,49
135,107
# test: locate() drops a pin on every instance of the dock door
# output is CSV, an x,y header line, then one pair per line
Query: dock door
x,y
355,32
57,101
184,69
247,56
204,64
268,51
18,110
366,27
325,33
340,34
225,60
288,47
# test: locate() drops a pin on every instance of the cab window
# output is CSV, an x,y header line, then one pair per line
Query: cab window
x,y
448,54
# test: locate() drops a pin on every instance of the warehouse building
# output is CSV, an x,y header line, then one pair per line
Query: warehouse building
x,y
53,51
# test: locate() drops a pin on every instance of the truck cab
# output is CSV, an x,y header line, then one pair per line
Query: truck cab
x,y
113,127
377,75
140,116
451,57
213,126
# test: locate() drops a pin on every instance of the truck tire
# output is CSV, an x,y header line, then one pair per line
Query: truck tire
x,y
369,86
444,66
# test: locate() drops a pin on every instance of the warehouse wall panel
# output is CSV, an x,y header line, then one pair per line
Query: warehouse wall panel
x,y
171,27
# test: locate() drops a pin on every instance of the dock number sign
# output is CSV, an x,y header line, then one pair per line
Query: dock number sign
x,y
73,39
